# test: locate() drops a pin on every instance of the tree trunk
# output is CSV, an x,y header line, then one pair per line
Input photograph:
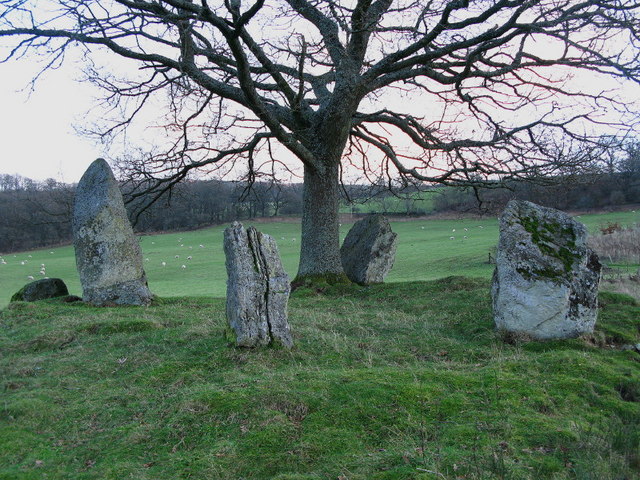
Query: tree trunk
x,y
320,242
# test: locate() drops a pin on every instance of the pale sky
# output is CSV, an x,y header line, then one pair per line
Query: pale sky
x,y
36,129
37,138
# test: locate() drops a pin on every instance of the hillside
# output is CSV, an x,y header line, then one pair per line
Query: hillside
x,y
428,249
398,381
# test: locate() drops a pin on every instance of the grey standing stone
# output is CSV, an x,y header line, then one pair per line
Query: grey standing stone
x,y
545,285
108,254
369,250
40,290
257,289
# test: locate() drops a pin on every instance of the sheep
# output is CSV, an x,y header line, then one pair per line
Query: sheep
x,y
164,264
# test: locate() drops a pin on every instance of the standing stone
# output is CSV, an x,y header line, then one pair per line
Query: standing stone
x,y
369,250
257,289
108,255
545,285
40,290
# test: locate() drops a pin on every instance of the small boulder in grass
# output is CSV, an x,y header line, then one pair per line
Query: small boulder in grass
x,y
369,250
41,290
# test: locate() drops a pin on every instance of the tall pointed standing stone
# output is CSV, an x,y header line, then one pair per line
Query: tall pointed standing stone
x,y
108,255
257,289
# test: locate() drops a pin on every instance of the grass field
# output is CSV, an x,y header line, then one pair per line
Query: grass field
x,y
425,252
402,381
418,201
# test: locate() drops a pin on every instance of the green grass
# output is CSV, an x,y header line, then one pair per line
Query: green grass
x,y
398,381
425,252
418,201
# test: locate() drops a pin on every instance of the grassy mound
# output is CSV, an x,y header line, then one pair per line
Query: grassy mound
x,y
396,381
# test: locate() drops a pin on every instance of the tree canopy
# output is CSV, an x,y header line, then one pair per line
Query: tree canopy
x,y
452,92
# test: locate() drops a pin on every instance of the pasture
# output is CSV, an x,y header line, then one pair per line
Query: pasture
x,y
426,251
402,381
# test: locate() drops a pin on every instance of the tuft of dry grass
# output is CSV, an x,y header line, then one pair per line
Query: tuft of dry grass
x,y
629,285
621,245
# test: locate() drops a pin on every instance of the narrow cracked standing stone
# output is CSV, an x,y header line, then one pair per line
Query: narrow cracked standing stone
x,y
546,280
108,256
369,250
257,289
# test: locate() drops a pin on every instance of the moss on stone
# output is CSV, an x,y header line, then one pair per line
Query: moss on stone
x,y
544,235
230,335
18,296
320,280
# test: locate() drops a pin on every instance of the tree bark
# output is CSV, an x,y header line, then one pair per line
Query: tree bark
x,y
320,242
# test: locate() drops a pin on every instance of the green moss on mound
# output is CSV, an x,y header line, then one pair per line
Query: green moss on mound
x,y
386,382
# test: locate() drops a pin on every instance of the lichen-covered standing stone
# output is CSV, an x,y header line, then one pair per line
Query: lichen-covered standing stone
x,y
257,289
369,250
40,290
545,284
108,254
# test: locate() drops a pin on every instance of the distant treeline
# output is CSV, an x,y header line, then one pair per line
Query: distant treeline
x,y
617,185
37,214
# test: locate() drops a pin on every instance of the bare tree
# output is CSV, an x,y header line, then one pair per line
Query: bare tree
x,y
451,92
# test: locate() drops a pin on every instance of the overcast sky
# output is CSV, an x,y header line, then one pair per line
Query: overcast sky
x,y
37,137
36,129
